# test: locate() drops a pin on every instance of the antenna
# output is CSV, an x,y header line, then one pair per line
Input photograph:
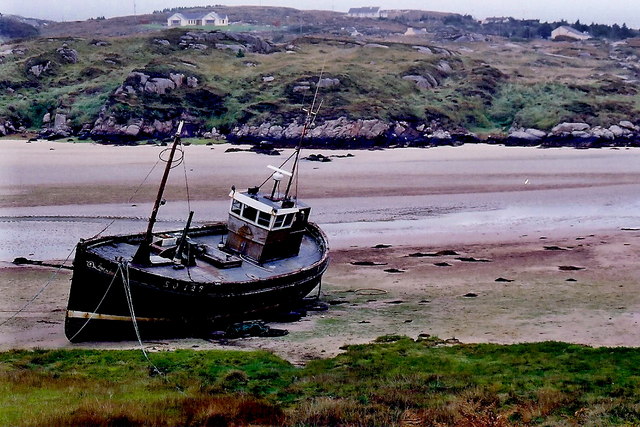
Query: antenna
x,y
309,120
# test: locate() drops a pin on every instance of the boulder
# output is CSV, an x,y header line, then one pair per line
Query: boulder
x,y
439,134
60,121
619,132
136,75
70,56
569,127
423,49
581,134
328,82
233,47
159,85
177,78
132,130
192,82
523,136
536,132
601,133
267,79
444,67
626,124
420,81
38,69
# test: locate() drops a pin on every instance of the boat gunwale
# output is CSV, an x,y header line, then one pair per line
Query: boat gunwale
x,y
313,229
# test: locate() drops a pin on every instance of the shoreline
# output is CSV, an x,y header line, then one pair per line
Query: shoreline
x,y
505,205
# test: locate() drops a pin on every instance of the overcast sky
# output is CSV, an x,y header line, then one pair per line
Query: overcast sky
x,y
600,11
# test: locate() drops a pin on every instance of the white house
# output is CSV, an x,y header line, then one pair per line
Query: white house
x,y
196,19
568,33
367,12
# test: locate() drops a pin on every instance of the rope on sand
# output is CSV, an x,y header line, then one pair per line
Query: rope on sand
x,y
370,291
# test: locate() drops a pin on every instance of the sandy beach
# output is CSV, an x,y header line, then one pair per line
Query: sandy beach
x,y
545,240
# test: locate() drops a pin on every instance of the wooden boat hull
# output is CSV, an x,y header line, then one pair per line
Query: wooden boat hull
x,y
107,293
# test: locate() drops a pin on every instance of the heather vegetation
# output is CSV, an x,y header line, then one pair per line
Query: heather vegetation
x,y
395,381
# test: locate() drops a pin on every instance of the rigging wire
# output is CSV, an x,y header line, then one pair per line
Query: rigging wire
x,y
186,180
144,180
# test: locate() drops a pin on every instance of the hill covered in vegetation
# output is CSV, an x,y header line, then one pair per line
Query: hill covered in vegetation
x,y
245,85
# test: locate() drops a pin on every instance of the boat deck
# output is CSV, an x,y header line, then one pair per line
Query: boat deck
x,y
205,272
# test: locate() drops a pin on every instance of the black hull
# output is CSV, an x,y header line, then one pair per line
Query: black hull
x,y
164,306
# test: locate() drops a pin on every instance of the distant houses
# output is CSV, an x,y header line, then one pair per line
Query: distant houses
x,y
366,12
196,19
565,32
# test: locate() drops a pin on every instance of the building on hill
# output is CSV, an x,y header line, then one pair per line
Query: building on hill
x,y
196,19
565,32
366,12
415,31
496,20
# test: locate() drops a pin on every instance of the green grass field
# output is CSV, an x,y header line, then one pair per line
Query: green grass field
x,y
392,382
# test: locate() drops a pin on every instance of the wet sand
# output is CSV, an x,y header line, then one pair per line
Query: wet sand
x,y
525,212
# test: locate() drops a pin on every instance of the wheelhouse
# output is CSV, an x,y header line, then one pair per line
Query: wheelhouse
x,y
265,228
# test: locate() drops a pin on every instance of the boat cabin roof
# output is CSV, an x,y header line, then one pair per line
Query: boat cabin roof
x,y
264,204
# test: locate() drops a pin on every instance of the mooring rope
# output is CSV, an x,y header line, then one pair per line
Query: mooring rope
x,y
124,273
46,285
93,313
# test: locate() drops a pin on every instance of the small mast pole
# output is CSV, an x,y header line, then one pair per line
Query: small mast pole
x,y
308,121
144,252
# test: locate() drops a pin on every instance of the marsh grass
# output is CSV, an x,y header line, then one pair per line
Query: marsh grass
x,y
396,381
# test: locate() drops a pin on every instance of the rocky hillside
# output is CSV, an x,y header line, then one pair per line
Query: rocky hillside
x,y
396,90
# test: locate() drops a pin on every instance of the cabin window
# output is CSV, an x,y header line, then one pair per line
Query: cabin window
x,y
250,213
236,207
288,220
279,221
264,219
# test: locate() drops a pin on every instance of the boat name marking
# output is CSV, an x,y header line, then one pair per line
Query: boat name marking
x,y
183,287
98,267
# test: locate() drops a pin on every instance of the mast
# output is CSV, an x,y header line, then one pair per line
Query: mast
x,y
143,253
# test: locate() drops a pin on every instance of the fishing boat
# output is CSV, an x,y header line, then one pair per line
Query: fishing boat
x,y
267,256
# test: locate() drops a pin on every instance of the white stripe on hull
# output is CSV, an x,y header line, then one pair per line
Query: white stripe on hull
x,y
87,315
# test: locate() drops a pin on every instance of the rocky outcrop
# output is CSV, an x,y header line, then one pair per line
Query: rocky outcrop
x,y
337,129
56,126
7,127
202,40
38,69
152,83
108,128
425,82
66,55
567,128
344,132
